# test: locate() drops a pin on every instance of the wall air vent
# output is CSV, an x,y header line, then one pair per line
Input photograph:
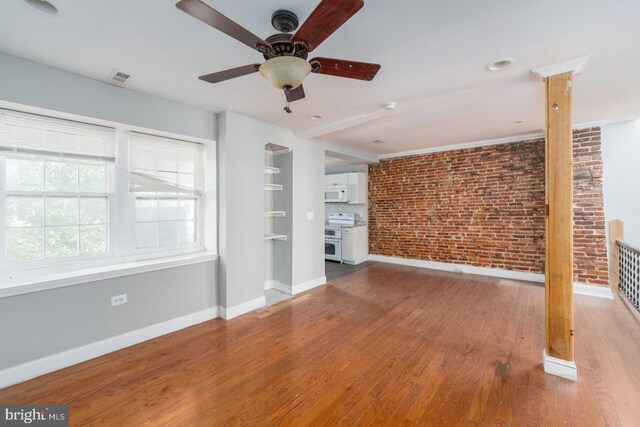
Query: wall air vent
x,y
117,78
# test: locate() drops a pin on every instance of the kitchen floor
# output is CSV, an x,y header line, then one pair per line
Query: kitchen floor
x,y
334,269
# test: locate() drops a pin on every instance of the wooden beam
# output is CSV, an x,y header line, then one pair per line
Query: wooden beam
x,y
559,223
616,232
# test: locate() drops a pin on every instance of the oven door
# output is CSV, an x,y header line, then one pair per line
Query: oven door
x,y
333,250
332,232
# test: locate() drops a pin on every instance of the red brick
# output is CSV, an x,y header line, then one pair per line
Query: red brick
x,y
485,207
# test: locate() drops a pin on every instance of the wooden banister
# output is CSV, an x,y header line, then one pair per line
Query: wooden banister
x,y
616,232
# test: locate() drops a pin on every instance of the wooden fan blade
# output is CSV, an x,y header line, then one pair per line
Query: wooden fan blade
x,y
294,94
327,17
231,73
342,68
210,16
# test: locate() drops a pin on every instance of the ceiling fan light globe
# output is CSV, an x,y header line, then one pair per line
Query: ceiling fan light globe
x,y
285,71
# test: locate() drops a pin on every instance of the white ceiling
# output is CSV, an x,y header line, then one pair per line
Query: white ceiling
x,y
432,54
332,162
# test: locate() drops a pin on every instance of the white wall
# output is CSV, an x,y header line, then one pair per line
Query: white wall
x,y
48,322
241,143
621,179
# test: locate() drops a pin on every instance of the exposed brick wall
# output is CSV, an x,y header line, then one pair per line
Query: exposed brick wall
x,y
589,228
485,207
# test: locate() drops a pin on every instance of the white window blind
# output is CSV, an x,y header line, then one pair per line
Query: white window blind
x,y
35,134
165,165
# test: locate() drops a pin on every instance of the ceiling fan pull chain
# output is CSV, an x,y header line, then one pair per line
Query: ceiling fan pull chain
x,y
286,108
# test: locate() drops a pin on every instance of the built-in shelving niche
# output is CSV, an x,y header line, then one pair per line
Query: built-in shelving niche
x,y
278,202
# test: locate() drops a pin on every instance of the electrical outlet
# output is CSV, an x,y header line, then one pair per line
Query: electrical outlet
x,y
118,299
310,215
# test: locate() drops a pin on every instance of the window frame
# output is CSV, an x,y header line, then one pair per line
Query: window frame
x,y
121,211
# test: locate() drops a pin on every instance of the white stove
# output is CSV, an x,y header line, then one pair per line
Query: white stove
x,y
344,219
333,234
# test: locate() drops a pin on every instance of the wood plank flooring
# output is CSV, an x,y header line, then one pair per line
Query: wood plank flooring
x,y
386,345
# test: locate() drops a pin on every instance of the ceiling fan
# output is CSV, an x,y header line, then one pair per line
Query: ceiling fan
x,y
286,54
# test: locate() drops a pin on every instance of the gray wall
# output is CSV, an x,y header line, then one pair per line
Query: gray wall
x,y
621,177
241,143
49,322
29,83
282,250
308,196
241,208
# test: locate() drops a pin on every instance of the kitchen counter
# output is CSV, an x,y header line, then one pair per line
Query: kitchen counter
x,y
357,224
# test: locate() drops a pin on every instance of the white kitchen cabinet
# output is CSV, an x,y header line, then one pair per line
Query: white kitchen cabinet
x,y
357,183
354,244
336,179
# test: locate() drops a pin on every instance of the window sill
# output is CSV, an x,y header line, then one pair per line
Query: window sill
x,y
58,280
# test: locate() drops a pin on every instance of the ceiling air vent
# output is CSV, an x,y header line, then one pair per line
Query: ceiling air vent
x,y
117,78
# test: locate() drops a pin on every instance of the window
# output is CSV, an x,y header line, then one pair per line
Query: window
x,y
165,221
65,197
55,188
167,180
55,207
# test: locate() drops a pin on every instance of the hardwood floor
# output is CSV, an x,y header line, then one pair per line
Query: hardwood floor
x,y
386,345
334,270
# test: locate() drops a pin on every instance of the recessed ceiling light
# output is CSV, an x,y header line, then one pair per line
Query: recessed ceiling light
x,y
516,122
316,117
42,6
500,64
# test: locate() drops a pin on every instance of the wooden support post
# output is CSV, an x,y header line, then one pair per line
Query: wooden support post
x,y
616,232
559,354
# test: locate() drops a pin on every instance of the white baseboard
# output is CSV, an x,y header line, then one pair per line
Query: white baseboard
x,y
578,288
559,367
240,309
302,287
592,290
35,368
268,285
461,268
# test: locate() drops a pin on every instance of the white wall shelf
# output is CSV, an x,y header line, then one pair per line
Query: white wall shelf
x,y
271,170
275,237
274,214
273,187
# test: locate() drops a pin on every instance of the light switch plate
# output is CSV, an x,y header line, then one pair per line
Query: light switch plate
x,y
310,215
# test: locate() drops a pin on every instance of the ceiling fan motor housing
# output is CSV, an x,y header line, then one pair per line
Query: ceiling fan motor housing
x,y
281,46
284,21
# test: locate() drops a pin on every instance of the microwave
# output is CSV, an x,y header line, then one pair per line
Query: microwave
x,y
336,194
